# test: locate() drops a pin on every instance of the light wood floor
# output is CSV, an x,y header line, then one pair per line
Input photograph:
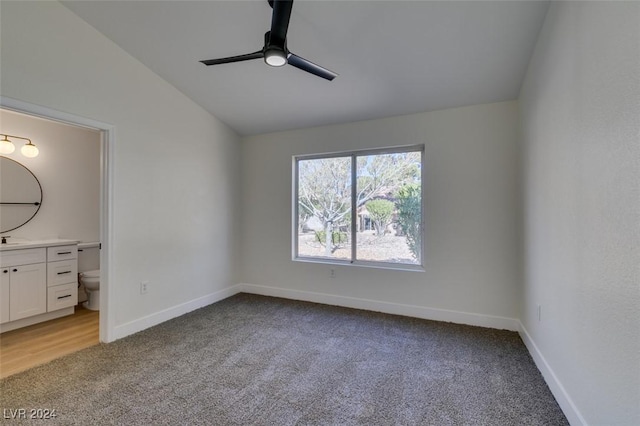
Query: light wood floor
x,y
37,344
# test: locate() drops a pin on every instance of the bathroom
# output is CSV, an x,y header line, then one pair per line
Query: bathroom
x,y
68,170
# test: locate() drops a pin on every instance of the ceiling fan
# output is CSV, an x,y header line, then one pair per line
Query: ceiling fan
x,y
275,52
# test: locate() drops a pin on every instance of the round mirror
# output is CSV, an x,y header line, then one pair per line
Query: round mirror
x,y
20,195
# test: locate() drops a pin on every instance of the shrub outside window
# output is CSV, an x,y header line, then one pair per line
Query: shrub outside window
x,y
360,207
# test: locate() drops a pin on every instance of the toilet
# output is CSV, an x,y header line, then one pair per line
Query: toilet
x,y
91,282
89,276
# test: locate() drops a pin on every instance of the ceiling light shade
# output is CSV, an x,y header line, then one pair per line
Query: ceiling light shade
x,y
30,150
6,146
275,57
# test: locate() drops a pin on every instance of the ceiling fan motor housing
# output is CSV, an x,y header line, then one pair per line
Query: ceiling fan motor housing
x,y
274,55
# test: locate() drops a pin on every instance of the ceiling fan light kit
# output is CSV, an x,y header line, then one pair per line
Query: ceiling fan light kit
x,y
275,57
275,52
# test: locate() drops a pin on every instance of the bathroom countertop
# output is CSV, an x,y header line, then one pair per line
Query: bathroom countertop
x,y
19,245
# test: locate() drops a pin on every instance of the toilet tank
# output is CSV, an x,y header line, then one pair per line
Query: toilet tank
x,y
88,256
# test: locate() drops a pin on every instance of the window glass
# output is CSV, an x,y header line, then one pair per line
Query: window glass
x,y
389,213
324,208
361,207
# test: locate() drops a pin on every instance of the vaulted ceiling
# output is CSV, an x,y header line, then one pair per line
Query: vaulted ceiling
x,y
393,57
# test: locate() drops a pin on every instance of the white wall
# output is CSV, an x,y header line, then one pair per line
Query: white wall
x,y
580,114
68,169
174,167
470,203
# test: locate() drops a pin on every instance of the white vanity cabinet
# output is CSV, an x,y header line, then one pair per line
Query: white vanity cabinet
x,y
38,282
24,279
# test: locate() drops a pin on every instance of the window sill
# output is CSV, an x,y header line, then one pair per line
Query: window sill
x,y
362,264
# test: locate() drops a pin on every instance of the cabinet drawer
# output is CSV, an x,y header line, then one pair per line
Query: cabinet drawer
x,y
62,296
62,272
62,253
22,257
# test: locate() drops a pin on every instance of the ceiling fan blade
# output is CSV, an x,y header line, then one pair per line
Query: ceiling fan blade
x,y
255,55
310,67
280,21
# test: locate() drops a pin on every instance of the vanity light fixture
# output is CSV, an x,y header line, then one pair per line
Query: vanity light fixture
x,y
7,147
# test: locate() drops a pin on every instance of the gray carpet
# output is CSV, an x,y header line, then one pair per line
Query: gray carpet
x,y
254,360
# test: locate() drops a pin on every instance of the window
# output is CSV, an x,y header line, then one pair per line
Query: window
x,y
361,207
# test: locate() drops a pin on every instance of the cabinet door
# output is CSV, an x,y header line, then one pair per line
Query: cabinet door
x,y
4,295
28,290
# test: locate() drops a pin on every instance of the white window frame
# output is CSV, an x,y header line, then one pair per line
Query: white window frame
x,y
354,261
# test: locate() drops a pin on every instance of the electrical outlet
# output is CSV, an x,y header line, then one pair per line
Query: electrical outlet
x,y
332,273
144,286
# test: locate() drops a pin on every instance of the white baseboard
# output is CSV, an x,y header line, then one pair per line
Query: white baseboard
x,y
172,312
488,321
564,400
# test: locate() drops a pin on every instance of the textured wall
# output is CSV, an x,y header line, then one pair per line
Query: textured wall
x,y
580,109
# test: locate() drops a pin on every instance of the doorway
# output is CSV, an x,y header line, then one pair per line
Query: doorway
x,y
106,132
